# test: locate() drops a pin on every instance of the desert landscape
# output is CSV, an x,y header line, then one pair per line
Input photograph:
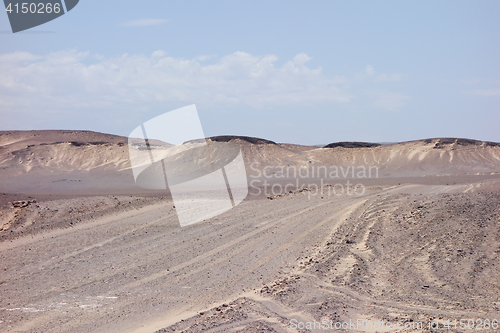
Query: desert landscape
x,y
415,247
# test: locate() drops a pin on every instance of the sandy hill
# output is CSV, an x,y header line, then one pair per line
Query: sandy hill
x,y
38,160
32,151
437,156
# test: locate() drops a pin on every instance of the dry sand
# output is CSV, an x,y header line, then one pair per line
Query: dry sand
x,y
96,254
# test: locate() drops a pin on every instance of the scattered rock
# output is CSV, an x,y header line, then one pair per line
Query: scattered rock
x,y
22,203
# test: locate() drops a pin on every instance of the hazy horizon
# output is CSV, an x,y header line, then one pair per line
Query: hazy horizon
x,y
278,142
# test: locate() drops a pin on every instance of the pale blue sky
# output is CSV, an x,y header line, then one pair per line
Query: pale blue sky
x,y
289,71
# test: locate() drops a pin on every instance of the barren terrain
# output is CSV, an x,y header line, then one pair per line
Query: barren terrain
x,y
87,251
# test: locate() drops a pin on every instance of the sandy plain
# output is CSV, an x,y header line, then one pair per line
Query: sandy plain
x,y
94,253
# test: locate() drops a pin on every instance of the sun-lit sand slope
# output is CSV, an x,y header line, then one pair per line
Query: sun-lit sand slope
x,y
51,160
47,160
422,157
415,158
45,151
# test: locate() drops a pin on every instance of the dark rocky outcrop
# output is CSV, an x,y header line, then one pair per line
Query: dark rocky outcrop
x,y
352,145
443,142
228,138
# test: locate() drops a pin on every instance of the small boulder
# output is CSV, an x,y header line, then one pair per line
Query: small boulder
x,y
22,203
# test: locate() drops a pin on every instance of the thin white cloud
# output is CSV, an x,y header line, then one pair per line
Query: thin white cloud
x,y
369,70
144,22
205,57
51,87
71,79
485,92
469,81
158,54
389,100
17,57
392,77
383,76
478,81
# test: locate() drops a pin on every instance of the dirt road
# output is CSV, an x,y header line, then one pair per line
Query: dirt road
x,y
140,269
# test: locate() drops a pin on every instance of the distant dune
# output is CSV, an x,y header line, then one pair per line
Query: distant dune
x,y
39,160
85,159
438,156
